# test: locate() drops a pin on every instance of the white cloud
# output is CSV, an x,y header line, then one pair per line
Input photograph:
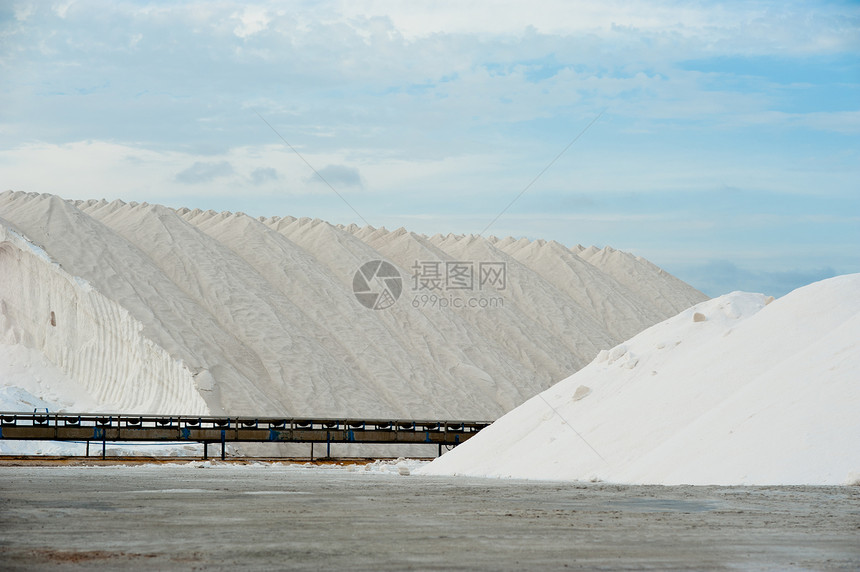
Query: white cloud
x,y
847,122
23,11
791,27
62,8
431,107
251,21
423,18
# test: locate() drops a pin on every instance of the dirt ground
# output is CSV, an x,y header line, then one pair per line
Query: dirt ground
x,y
214,516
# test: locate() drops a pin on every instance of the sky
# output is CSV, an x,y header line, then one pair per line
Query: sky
x,y
720,140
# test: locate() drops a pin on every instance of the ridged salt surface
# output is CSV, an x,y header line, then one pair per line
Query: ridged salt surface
x,y
102,345
152,309
735,390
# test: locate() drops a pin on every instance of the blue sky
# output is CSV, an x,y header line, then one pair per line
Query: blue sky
x,y
727,152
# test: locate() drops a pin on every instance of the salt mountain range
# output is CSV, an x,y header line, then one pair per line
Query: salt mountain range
x,y
157,310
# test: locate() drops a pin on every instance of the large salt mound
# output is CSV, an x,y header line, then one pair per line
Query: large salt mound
x,y
156,310
733,391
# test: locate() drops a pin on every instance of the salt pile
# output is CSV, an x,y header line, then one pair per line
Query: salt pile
x,y
154,310
29,382
733,391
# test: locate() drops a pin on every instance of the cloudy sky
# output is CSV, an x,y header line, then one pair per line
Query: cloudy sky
x,y
721,140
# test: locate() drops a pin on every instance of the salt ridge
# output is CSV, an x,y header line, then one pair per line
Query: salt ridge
x,y
222,312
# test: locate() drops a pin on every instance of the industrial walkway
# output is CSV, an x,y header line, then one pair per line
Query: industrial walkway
x,y
103,428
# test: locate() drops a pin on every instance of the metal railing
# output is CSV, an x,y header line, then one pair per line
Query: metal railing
x,y
116,427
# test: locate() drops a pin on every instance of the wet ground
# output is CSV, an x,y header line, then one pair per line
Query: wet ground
x,y
272,517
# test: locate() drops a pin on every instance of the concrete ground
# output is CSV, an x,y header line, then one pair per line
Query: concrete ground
x,y
275,517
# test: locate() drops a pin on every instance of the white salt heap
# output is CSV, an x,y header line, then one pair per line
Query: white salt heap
x,y
735,390
153,310
31,383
